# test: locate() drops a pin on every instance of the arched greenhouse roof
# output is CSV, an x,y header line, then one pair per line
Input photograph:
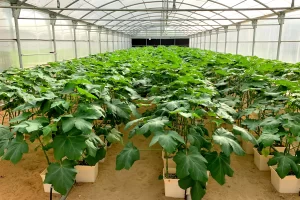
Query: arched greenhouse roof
x,y
185,16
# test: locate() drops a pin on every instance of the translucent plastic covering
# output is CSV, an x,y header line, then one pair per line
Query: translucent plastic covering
x,y
84,27
171,21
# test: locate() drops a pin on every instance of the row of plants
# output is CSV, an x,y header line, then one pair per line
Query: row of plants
x,y
202,104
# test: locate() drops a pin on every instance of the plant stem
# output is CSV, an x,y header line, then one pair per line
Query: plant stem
x,y
48,161
167,164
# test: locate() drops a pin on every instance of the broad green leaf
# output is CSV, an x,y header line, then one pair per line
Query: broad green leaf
x,y
186,182
49,129
68,123
25,107
244,134
228,142
127,157
285,164
292,121
168,140
172,105
252,124
134,111
89,112
197,139
69,88
270,122
33,126
5,137
198,190
118,109
268,139
133,93
269,130
21,117
224,115
153,125
191,164
71,146
219,166
114,136
129,124
186,115
85,93
61,175
15,150
62,103
227,108
92,144
100,154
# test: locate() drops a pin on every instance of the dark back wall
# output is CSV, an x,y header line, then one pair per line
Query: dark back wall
x,y
157,42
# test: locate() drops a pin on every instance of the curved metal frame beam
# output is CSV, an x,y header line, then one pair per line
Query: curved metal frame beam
x,y
159,13
176,13
170,10
145,17
146,23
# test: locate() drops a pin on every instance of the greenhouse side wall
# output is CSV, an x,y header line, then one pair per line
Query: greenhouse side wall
x,y
262,40
37,41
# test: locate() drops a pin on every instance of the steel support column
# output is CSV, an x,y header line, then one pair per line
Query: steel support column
x,y
226,32
254,24
217,39
200,38
107,43
210,32
100,31
124,41
89,39
204,40
16,14
120,41
281,22
113,41
75,43
52,22
238,28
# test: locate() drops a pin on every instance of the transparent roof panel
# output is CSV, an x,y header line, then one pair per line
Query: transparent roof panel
x,y
216,13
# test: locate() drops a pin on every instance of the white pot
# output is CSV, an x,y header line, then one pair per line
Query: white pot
x,y
171,163
289,184
261,161
172,188
86,174
46,185
248,147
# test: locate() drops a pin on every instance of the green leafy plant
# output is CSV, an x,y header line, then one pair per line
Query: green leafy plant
x,y
199,102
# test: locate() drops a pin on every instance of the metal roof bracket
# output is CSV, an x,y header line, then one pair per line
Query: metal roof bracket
x,y
281,16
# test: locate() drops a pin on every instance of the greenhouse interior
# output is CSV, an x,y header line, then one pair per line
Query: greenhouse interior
x,y
150,99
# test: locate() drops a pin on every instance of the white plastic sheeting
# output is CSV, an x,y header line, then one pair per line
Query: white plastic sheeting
x,y
211,19
111,30
37,43
266,41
